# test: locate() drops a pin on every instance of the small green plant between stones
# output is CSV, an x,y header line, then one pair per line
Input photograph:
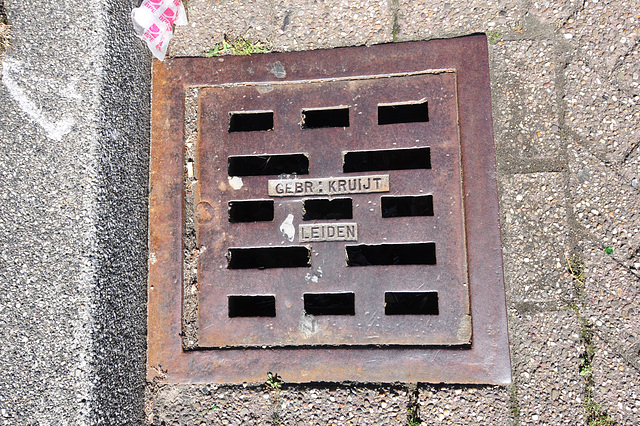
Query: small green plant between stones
x,y
274,383
413,416
586,368
495,36
239,46
413,407
608,250
596,415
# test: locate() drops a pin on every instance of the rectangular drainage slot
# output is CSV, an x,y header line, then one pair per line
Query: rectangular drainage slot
x,y
408,112
325,117
404,206
250,211
252,306
268,257
411,303
386,159
325,209
250,121
263,165
392,254
329,303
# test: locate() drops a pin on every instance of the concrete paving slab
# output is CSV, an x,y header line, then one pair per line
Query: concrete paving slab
x,y
604,33
440,405
553,12
604,205
611,302
600,112
304,25
425,19
344,405
284,26
209,405
320,404
546,362
535,237
210,21
616,385
525,107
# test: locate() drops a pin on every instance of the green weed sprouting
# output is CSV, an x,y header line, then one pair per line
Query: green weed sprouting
x,y
495,36
239,46
274,383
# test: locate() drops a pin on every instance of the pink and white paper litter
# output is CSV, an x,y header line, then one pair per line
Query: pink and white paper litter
x,y
153,22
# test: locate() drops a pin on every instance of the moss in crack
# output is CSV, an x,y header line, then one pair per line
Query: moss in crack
x,y
595,415
395,26
239,46
514,404
494,36
413,406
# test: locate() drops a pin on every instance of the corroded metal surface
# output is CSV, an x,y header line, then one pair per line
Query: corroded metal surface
x,y
363,344
328,271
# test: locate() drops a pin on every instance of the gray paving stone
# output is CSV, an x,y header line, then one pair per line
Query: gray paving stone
x,y
209,22
629,170
616,385
283,25
553,12
314,25
600,112
525,110
603,33
209,405
425,19
465,405
535,237
328,405
607,207
344,405
526,113
611,301
545,359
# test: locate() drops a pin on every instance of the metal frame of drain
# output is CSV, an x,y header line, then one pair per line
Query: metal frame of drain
x,y
448,325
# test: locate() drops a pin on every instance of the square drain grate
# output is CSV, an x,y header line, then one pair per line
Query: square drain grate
x,y
329,215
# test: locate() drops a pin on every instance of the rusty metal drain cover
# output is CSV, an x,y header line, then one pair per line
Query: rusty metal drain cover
x,y
329,215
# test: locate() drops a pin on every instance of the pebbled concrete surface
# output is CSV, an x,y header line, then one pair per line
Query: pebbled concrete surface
x,y
74,102
74,107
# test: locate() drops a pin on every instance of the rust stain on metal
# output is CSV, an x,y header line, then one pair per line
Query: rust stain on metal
x,y
420,294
